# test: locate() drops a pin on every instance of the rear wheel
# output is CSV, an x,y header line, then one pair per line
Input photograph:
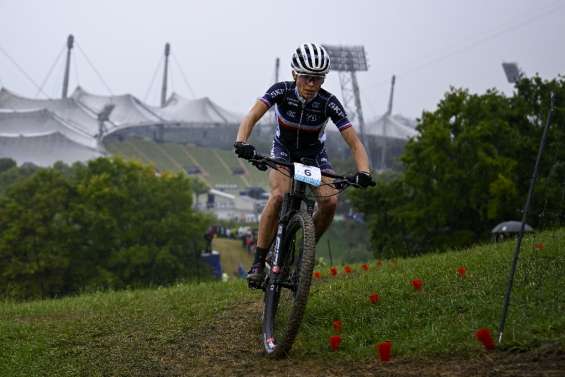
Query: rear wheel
x,y
285,298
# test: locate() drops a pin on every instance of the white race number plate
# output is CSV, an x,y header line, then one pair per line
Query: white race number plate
x,y
308,174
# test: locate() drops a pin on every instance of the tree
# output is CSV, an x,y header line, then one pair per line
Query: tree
x,y
6,164
10,173
138,227
36,239
468,170
106,224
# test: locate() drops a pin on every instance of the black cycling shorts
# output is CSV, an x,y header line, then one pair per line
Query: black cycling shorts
x,y
282,152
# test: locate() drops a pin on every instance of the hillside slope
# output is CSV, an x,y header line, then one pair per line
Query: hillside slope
x,y
212,329
217,166
232,254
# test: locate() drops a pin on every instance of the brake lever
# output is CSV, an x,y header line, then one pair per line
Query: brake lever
x,y
342,185
261,165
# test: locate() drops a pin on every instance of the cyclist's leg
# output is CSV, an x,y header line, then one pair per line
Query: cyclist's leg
x,y
325,197
280,185
268,225
327,203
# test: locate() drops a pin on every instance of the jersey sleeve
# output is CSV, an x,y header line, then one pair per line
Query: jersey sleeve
x,y
274,94
337,114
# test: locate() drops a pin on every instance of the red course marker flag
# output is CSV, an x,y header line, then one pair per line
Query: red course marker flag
x,y
347,269
374,298
337,326
384,350
333,271
461,271
335,341
417,284
484,336
365,266
539,246
317,274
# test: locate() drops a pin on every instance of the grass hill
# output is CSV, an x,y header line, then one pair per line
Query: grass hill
x,y
216,165
212,329
232,253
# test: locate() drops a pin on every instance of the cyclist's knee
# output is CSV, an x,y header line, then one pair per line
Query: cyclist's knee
x,y
328,205
276,198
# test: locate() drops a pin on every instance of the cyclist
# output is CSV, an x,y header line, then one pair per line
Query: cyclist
x,y
302,111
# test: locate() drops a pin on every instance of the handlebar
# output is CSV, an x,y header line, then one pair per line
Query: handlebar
x,y
261,162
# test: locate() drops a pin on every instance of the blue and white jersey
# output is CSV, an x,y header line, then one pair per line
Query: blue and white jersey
x,y
300,123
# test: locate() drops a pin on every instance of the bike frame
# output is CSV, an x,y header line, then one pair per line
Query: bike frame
x,y
292,203
284,271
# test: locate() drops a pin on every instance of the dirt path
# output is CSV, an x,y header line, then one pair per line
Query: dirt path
x,y
230,346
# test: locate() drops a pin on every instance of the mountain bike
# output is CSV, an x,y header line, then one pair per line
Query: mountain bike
x,y
290,261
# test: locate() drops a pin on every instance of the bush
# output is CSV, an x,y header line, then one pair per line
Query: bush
x,y
107,224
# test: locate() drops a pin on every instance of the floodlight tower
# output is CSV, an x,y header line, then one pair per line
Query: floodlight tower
x,y
347,60
512,72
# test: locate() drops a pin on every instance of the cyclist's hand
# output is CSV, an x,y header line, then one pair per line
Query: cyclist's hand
x,y
244,150
363,179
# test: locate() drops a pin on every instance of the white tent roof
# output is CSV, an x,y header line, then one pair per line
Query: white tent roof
x,y
394,127
202,112
28,126
33,122
65,108
128,109
397,127
44,149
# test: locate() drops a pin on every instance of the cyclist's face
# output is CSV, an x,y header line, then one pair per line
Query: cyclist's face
x,y
308,85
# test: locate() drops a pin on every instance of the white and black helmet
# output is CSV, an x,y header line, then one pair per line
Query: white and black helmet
x,y
311,59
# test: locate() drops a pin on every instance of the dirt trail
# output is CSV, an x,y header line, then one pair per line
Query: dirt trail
x,y
230,346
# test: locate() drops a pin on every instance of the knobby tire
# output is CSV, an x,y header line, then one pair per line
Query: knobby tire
x,y
279,346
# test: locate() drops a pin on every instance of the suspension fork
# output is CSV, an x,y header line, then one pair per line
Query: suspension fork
x,y
283,221
291,204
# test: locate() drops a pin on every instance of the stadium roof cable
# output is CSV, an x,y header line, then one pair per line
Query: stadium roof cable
x,y
22,71
94,69
557,5
40,89
75,70
183,76
171,81
155,73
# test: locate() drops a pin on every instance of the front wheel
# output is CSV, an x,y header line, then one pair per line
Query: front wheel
x,y
286,296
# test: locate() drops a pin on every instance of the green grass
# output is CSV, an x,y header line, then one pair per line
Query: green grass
x,y
255,177
128,332
126,150
442,318
156,154
118,333
217,163
232,253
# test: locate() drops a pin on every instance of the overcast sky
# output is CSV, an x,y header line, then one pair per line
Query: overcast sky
x,y
227,49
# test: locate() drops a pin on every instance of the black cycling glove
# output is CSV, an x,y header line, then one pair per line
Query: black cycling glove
x,y
244,150
363,179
